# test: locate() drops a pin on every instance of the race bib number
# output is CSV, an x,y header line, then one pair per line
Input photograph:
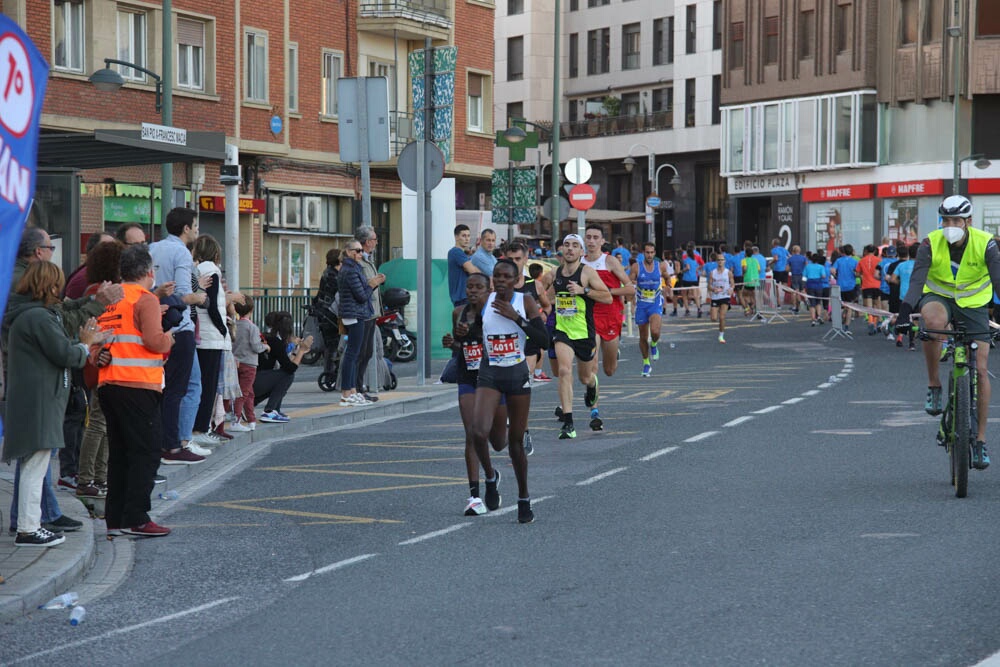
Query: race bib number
x,y
566,305
504,349
648,295
473,353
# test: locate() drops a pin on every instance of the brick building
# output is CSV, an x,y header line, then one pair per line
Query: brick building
x,y
262,76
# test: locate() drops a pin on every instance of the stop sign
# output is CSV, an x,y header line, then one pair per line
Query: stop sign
x,y
582,197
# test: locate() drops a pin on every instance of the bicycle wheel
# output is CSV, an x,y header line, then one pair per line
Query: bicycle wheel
x,y
961,444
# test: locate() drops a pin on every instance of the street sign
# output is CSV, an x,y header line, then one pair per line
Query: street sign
x,y
370,123
561,213
276,124
582,197
653,201
578,170
406,165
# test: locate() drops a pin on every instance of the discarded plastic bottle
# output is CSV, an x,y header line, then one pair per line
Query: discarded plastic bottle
x,y
76,616
170,495
61,602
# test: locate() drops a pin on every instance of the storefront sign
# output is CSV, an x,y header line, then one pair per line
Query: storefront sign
x,y
218,204
786,217
164,134
837,193
984,186
910,189
753,184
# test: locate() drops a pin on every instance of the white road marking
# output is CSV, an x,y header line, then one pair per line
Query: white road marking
x,y
992,661
793,401
889,536
701,436
738,421
597,478
764,411
661,452
127,629
512,508
846,432
811,392
331,567
848,360
436,533
843,375
825,385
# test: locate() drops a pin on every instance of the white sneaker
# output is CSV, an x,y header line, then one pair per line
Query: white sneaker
x,y
194,448
359,399
252,426
237,427
475,507
346,402
203,439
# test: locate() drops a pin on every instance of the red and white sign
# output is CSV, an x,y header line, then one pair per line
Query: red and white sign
x,y
582,197
218,204
837,193
910,189
984,186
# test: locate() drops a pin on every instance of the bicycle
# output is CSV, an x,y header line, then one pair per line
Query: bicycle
x,y
959,426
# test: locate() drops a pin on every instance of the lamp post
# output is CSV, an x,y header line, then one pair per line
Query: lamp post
x,y
629,163
108,80
955,32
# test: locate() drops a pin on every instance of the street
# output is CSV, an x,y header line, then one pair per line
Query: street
x,y
738,509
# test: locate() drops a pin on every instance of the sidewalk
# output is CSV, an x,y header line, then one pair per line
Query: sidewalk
x,y
33,576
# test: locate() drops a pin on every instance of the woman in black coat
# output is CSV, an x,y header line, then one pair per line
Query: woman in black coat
x,y
355,308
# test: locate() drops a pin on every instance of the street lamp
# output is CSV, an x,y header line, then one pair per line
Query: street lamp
x,y
629,163
955,32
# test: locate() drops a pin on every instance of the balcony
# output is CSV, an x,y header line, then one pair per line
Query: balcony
x,y
408,19
603,126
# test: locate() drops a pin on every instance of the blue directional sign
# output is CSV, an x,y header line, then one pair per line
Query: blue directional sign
x,y
276,125
652,201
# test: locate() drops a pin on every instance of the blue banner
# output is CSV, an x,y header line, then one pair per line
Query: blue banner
x,y
23,75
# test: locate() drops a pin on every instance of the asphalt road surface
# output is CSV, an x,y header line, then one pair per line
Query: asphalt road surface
x,y
738,509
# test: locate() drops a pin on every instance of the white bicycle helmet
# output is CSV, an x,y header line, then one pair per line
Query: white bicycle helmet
x,y
955,206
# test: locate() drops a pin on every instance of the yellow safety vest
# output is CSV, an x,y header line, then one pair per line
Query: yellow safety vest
x,y
971,287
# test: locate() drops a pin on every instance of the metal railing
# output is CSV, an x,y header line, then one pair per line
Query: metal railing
x,y
602,126
270,299
435,12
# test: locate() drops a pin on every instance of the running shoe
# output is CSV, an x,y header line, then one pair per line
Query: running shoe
x,y
592,395
475,507
647,370
596,424
529,449
980,458
273,417
148,529
814,323
674,313
558,413
197,449
493,499
567,432
542,377
699,312
63,524
722,338
912,348
899,340
933,403
524,513
654,353
45,538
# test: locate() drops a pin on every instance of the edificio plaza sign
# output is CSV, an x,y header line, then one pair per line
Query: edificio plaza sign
x,y
749,184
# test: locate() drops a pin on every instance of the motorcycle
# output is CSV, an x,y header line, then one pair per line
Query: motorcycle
x,y
396,340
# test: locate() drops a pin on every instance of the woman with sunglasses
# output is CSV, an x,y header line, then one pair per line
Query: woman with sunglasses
x,y
355,307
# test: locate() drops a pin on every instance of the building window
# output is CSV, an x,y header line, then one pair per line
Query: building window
x,y
598,3
516,110
332,69
807,34
734,140
630,104
475,103
515,7
717,25
843,18
132,43
736,45
934,22
987,20
716,97
190,54
515,58
293,77
256,72
599,51
710,203
770,143
689,115
67,35
663,41
574,55
630,46
663,99
771,26
909,14
574,5
691,29
388,72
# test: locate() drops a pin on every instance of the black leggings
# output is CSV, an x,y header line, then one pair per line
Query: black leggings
x,y
209,361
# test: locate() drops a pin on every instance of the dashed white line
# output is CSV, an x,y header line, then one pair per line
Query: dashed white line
x,y
331,567
737,421
660,452
811,392
512,508
843,375
764,411
793,401
701,436
130,628
436,533
603,475
825,385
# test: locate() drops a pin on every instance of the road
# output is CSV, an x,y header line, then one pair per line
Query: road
x,y
739,509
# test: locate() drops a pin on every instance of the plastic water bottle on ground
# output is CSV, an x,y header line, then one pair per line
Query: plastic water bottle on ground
x,y
170,495
62,602
76,616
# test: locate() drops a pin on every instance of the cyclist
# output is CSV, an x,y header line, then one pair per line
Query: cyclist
x,y
952,281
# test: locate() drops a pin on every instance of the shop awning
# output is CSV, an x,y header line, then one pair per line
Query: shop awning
x,y
124,148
